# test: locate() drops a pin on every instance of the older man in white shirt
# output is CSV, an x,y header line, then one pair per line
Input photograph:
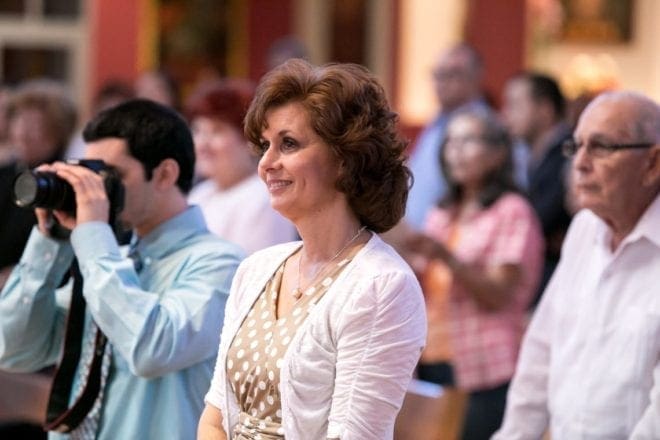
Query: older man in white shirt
x,y
590,362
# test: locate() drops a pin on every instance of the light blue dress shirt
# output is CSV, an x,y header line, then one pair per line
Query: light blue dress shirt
x,y
163,323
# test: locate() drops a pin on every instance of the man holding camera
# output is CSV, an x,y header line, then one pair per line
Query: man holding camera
x,y
152,311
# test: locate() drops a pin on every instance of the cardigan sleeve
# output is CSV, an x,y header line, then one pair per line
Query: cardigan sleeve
x,y
379,340
217,394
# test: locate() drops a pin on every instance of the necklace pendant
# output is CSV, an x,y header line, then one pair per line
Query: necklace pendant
x,y
297,293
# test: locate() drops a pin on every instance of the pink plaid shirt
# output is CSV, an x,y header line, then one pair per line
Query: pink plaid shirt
x,y
485,343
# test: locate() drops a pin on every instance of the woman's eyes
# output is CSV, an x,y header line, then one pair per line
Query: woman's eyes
x,y
285,146
288,144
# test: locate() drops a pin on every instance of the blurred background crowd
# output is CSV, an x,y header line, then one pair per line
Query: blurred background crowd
x,y
513,74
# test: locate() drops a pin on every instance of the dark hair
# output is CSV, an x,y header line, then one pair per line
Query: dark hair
x,y
348,110
499,180
545,88
227,100
152,131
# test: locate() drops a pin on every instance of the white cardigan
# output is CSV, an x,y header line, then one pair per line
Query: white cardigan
x,y
347,369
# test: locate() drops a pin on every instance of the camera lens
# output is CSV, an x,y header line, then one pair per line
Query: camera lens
x,y
25,189
35,189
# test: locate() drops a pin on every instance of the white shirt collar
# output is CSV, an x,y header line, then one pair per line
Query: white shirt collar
x,y
648,225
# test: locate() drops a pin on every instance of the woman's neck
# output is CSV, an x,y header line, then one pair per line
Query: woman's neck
x,y
324,235
468,205
470,194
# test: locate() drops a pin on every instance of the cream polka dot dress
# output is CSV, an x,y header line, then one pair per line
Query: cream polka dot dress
x,y
255,355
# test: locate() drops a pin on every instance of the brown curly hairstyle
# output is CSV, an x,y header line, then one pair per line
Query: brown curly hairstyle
x,y
348,109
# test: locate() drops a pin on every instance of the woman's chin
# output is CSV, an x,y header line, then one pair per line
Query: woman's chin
x,y
281,206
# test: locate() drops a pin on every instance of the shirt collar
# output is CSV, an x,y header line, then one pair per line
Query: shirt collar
x,y
168,235
647,225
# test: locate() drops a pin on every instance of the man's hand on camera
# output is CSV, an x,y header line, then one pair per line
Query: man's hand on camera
x,y
45,218
91,200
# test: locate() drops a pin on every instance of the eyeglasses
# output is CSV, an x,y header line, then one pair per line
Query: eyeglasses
x,y
599,149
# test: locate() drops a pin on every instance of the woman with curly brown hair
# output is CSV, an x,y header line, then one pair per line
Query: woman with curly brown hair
x,y
321,336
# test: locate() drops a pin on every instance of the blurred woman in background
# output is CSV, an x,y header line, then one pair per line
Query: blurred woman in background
x,y
479,261
40,120
233,199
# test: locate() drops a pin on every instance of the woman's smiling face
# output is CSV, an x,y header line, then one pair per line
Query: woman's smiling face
x,y
298,167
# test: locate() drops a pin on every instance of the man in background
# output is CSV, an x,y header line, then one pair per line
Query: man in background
x,y
457,81
533,109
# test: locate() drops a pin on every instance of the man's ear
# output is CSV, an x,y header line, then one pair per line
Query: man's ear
x,y
652,169
166,173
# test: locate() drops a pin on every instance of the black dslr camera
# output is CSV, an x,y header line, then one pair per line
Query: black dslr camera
x,y
44,189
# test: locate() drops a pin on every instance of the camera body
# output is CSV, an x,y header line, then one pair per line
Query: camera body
x,y
45,189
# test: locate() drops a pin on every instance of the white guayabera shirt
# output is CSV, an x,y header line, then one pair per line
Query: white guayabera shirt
x,y
590,362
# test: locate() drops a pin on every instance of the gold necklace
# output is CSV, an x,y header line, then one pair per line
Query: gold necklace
x,y
297,291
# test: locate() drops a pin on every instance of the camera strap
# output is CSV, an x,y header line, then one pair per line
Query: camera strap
x,y
59,416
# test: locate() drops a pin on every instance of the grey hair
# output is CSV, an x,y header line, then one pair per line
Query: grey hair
x,y
645,125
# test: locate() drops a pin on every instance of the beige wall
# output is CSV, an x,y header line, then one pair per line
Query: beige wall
x,y
634,65
34,30
426,28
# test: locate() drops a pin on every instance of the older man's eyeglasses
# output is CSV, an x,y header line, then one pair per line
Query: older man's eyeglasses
x,y
599,149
